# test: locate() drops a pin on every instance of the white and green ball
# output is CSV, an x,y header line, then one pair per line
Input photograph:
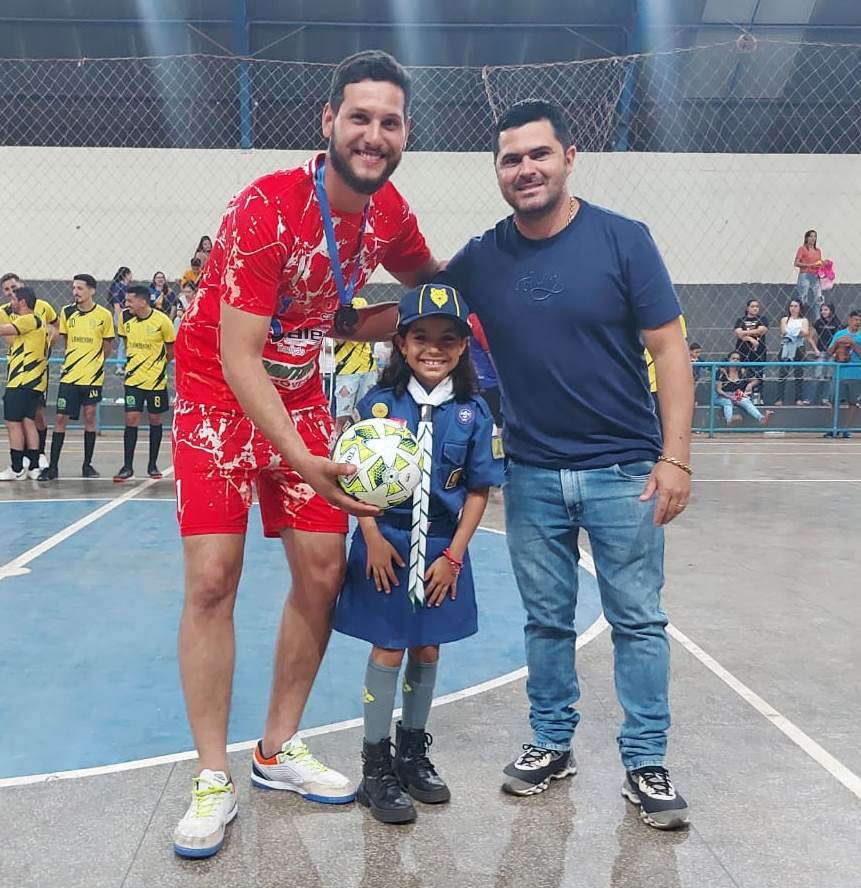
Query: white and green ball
x,y
387,459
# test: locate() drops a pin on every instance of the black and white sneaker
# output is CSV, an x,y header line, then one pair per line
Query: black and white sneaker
x,y
532,771
652,790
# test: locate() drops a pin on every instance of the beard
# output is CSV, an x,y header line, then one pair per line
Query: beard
x,y
341,165
537,211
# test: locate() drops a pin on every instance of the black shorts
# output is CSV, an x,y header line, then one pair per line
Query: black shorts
x,y
70,397
138,398
20,404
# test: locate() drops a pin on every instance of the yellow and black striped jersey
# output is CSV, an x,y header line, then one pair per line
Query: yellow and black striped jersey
x,y
43,310
28,353
354,357
85,332
146,346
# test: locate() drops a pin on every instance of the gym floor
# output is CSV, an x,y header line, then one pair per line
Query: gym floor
x,y
762,591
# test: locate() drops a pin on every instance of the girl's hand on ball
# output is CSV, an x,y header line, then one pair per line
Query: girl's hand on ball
x,y
440,579
381,554
322,474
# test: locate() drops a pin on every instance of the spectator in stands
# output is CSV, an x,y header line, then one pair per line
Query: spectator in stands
x,y
117,302
203,249
750,331
733,388
355,375
187,295
10,284
488,383
846,349
826,325
808,259
795,331
192,273
162,298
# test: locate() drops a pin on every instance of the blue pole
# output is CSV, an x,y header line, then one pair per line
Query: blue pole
x,y
242,48
712,383
626,98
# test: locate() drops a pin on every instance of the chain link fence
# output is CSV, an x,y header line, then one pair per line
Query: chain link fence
x,y
729,152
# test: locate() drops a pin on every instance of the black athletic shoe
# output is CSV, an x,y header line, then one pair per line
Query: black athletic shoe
x,y
124,474
153,472
380,790
652,790
87,471
49,474
415,770
532,771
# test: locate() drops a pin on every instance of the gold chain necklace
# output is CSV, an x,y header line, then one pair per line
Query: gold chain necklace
x,y
572,210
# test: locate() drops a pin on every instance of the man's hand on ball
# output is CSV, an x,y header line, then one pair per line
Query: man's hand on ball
x,y
322,474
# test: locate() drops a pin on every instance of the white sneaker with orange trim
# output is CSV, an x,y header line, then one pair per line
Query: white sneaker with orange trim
x,y
200,833
295,769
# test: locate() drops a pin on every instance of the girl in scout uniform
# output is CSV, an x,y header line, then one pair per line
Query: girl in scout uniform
x,y
409,585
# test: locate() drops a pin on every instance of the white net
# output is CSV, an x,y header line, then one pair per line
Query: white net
x,y
729,152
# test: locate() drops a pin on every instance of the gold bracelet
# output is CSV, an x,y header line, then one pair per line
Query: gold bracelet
x,y
676,462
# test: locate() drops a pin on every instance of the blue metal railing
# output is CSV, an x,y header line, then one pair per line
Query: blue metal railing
x,y
838,371
711,367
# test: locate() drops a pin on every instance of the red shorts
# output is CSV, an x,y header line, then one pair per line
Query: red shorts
x,y
219,456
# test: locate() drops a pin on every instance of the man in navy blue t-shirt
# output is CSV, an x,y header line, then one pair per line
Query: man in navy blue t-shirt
x,y
568,294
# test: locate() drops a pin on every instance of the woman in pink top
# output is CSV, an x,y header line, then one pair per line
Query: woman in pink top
x,y
808,258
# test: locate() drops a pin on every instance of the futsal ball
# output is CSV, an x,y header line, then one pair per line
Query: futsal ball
x,y
387,459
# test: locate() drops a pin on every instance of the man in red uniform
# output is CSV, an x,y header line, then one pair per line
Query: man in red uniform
x,y
292,250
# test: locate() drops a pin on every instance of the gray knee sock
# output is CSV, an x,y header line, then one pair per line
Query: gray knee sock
x,y
419,682
378,695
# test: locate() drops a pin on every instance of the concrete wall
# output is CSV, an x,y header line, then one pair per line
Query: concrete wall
x,y
719,219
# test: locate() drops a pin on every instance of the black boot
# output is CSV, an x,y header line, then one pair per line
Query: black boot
x,y
379,789
415,770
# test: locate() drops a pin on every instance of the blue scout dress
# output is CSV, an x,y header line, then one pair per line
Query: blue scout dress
x,y
463,460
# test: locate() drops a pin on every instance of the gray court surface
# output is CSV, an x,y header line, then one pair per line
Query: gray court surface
x,y
765,606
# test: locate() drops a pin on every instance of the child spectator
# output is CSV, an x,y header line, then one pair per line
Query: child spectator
x,y
808,258
192,273
846,349
733,388
393,596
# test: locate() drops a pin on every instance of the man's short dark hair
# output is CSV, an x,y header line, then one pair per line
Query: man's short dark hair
x,y
855,313
751,301
9,276
195,262
28,295
694,345
88,279
371,64
138,290
530,110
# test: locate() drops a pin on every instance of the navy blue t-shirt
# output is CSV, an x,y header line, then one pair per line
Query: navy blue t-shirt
x,y
562,318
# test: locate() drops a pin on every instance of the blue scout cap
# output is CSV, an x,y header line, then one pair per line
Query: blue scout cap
x,y
433,300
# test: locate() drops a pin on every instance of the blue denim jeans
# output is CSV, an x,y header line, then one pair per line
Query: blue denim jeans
x,y
545,510
809,282
745,404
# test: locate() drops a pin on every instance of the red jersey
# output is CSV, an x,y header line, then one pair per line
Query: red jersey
x,y
270,258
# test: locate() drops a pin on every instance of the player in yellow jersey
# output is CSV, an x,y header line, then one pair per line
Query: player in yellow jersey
x,y
88,332
9,283
355,374
28,356
149,337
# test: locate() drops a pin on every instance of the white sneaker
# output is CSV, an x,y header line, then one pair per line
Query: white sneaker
x,y
11,475
200,833
43,461
33,474
296,770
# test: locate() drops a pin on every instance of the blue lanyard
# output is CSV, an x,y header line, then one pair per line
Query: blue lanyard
x,y
345,293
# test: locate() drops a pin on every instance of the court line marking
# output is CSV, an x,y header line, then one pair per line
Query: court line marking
x,y
806,743
599,626
82,499
779,480
821,756
14,567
